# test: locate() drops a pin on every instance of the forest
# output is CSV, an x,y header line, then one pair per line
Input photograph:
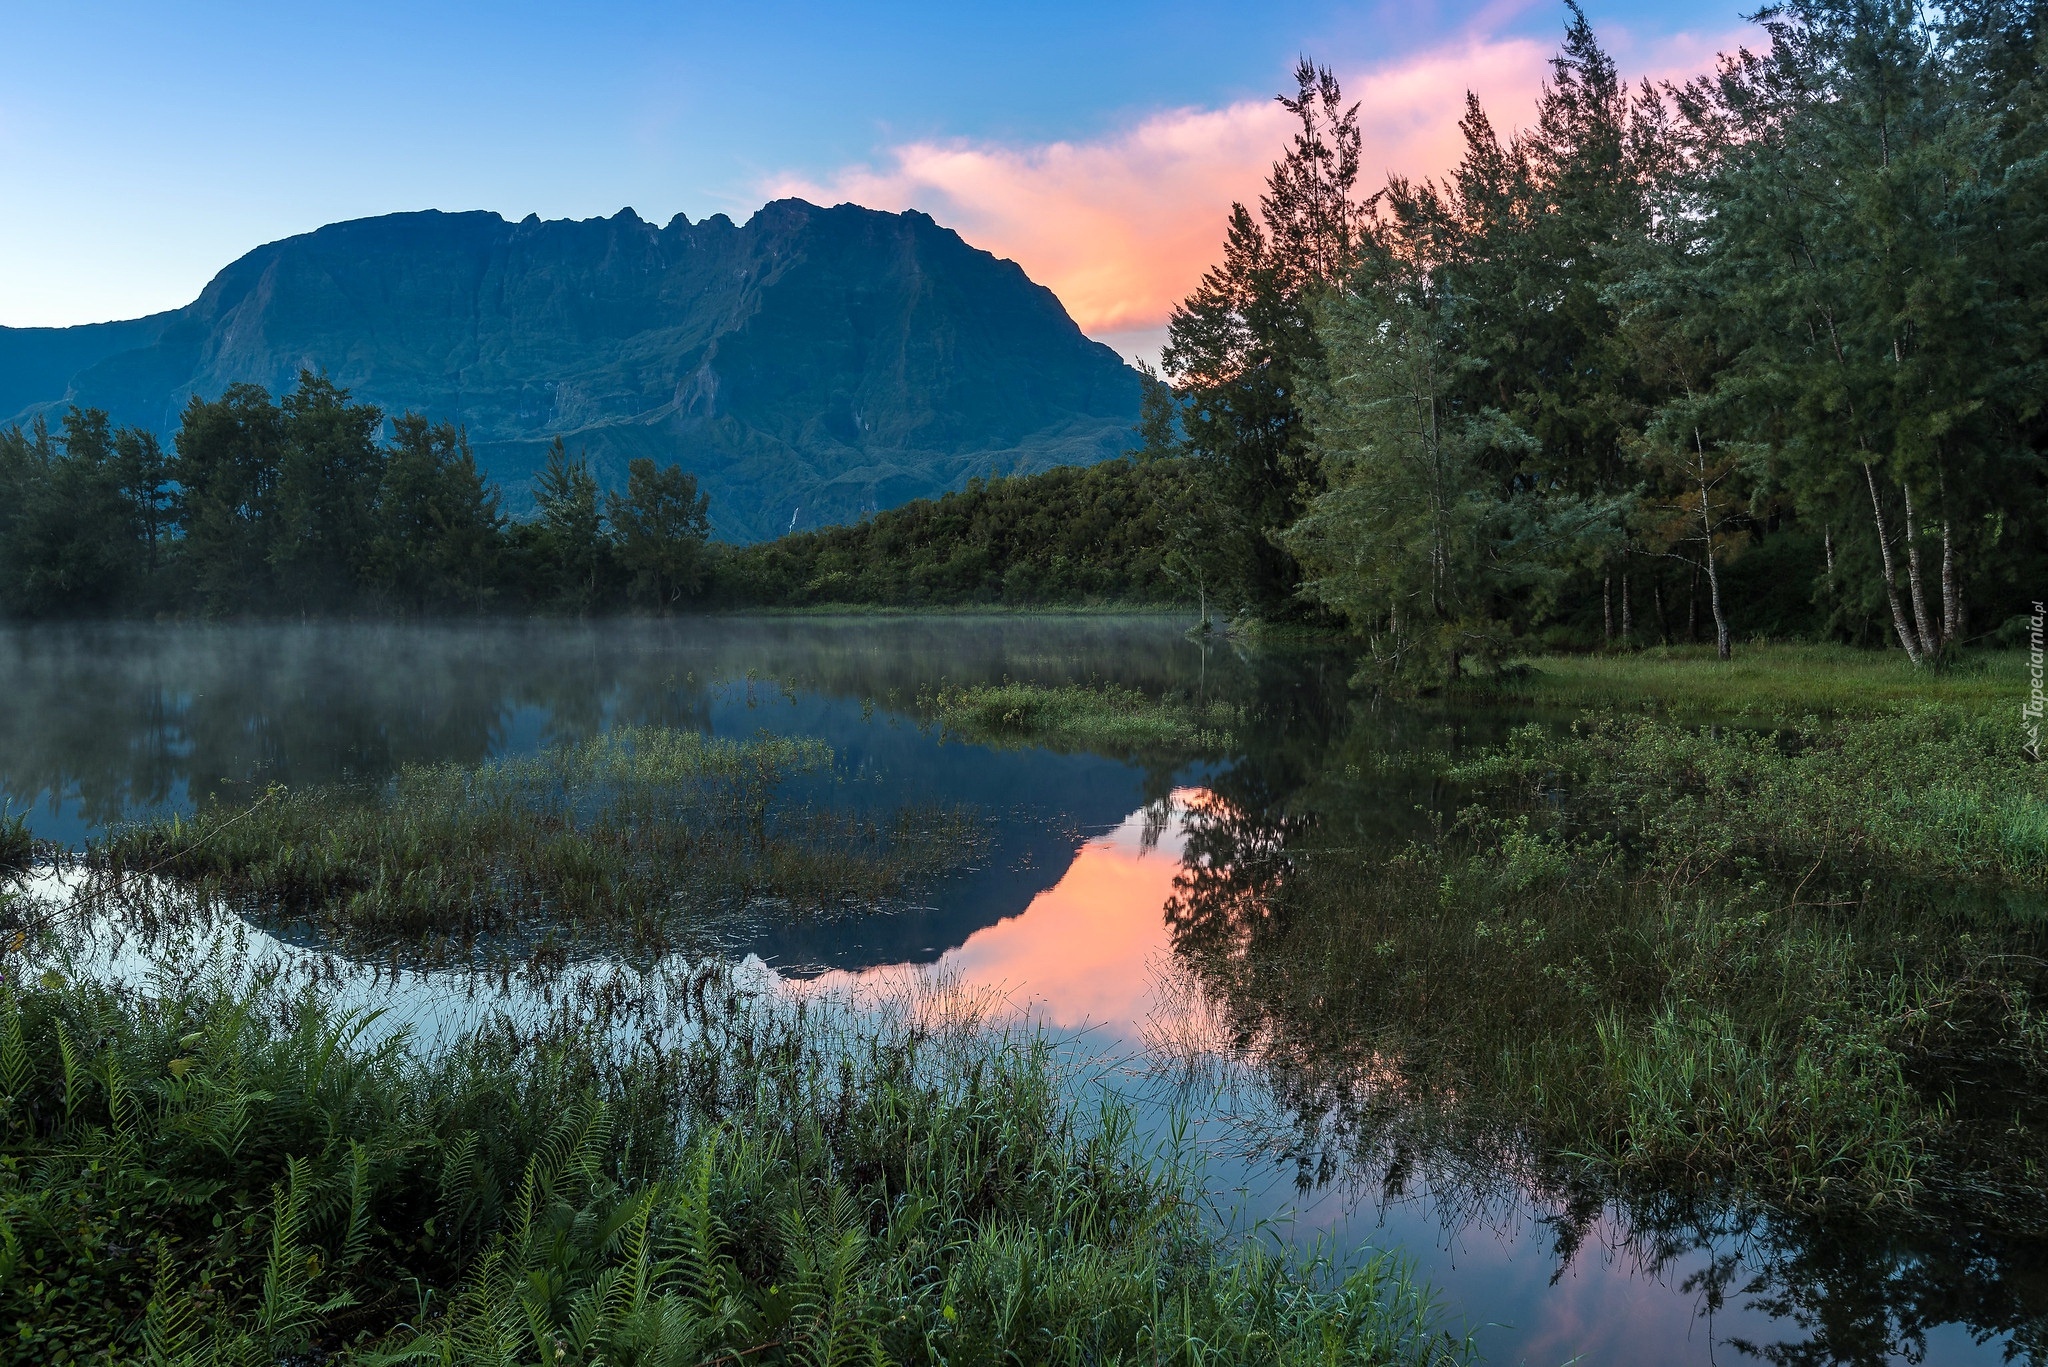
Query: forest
x,y
1754,355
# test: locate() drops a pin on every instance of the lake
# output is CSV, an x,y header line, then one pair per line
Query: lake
x,y
1077,916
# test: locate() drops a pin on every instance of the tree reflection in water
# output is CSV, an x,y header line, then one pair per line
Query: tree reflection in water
x,y
1321,946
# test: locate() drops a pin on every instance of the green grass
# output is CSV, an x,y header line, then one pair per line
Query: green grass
x,y
1774,678
1098,717
200,1175
1799,966
1086,607
1907,794
643,827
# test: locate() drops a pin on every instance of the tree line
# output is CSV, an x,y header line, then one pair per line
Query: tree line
x,y
298,505
1791,311
1762,353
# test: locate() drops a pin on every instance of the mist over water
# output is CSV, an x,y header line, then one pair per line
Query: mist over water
x,y
1073,920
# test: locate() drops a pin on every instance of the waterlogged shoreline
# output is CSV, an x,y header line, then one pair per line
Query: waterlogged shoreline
x,y
1726,1029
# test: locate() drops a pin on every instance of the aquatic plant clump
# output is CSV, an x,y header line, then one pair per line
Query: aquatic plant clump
x,y
1100,717
635,826
206,1175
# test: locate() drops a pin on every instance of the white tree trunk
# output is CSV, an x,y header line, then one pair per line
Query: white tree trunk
x,y
1907,640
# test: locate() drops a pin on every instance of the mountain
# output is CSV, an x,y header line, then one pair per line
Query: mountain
x,y
808,365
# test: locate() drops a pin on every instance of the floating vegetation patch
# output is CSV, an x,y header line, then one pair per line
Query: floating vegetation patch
x,y
1099,717
638,827
205,1174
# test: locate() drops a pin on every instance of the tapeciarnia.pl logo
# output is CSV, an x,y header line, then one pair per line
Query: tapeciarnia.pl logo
x,y
2030,714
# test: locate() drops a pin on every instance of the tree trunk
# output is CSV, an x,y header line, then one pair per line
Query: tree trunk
x,y
1930,639
1953,627
1907,639
1607,610
1827,541
1721,647
1628,616
1663,618
1707,536
1951,592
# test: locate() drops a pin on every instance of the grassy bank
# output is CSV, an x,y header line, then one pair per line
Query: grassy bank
x,y
1098,717
1771,678
203,1175
1801,965
1080,607
1922,794
644,828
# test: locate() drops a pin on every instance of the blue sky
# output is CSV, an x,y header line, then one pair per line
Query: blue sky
x,y
146,145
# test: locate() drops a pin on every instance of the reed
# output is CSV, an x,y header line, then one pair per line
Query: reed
x,y
17,843
201,1174
1916,792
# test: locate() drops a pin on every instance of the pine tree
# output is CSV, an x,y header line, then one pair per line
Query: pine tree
x,y
571,530
319,538
230,451
1242,345
438,529
1859,232
659,528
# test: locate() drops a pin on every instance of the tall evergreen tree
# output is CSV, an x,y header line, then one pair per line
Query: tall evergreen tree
x,y
318,538
145,475
659,527
1856,239
438,530
569,539
70,545
230,452
1241,346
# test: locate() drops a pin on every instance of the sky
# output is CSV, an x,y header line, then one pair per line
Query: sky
x,y
1099,144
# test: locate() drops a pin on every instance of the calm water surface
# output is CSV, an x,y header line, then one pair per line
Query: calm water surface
x,y
1064,918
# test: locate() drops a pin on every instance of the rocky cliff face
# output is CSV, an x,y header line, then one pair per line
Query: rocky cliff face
x,y
808,365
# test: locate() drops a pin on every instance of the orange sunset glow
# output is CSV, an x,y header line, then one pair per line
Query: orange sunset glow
x,y
1082,954
1121,227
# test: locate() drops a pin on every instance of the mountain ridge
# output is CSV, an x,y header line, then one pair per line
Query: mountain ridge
x,y
809,365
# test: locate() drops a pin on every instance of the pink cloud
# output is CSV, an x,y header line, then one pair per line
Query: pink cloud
x,y
1122,227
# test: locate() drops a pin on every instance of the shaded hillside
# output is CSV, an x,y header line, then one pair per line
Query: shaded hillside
x,y
37,364
809,365
1061,536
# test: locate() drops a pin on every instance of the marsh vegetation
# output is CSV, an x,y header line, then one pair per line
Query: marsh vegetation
x,y
199,1174
1100,717
1745,983
657,831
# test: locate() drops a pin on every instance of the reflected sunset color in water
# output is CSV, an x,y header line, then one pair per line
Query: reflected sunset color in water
x,y
1084,956
1059,921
